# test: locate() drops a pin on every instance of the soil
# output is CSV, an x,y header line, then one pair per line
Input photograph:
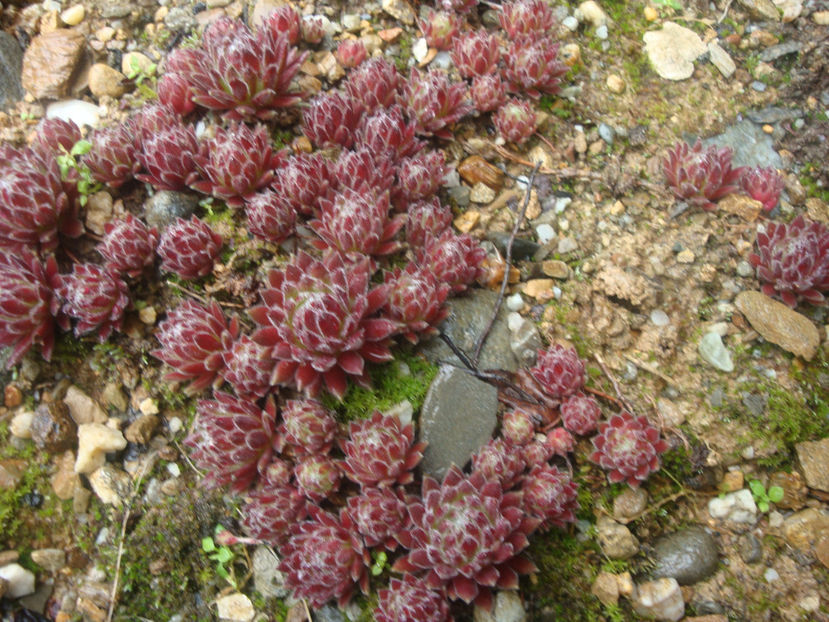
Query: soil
x,y
635,251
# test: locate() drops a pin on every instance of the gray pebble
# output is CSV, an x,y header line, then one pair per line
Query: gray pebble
x,y
567,245
570,23
689,556
601,32
751,549
744,269
758,86
606,133
165,206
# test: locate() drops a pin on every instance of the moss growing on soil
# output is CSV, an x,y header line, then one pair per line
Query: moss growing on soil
x,y
406,378
163,562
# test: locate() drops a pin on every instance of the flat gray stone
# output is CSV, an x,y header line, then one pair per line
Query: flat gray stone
x,y
468,317
751,145
11,64
713,351
689,556
721,59
458,416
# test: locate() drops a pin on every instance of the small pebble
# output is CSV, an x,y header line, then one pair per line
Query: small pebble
x,y
601,32
606,133
175,424
758,86
660,318
615,84
420,49
515,302
562,203
744,269
771,575
545,233
73,15
570,23
651,14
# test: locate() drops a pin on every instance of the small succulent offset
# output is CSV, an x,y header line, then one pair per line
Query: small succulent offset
x,y
28,303
701,176
188,248
128,246
96,297
763,184
792,260
628,447
515,121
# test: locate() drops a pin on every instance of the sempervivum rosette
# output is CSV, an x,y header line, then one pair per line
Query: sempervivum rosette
x,y
701,176
793,260
232,440
325,559
434,102
416,301
467,535
361,170
628,447
167,148
128,245
331,119
526,18
499,461
420,177
410,600
357,222
236,163
247,368
271,513
763,184
440,28
453,259
34,204
550,494
112,159
271,216
374,84
559,371
517,427
317,476
317,315
244,75
386,133
379,514
532,66
580,413
193,341
476,53
380,451
304,180
308,426
426,220
188,248
28,303
96,298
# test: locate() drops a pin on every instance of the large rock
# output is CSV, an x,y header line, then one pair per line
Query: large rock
x,y
467,319
50,61
11,64
814,460
689,556
779,324
458,416
806,529
673,50
751,145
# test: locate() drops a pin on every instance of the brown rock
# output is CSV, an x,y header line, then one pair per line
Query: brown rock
x,y
467,221
104,80
12,396
804,529
732,481
714,617
53,428
556,269
794,492
606,589
761,9
822,551
65,481
540,289
817,210
141,430
50,61
475,169
779,324
814,461
742,206
11,472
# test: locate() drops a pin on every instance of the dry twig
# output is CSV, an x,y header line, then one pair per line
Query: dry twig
x,y
507,265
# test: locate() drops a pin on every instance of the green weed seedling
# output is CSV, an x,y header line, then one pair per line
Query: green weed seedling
x,y
222,555
66,162
762,497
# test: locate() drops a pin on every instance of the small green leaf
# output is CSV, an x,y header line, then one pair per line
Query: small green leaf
x,y
224,555
81,147
207,545
757,488
763,506
775,494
